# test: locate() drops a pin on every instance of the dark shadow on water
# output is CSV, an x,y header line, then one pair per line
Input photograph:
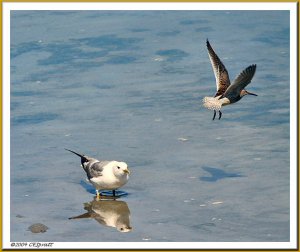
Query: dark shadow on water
x,y
217,174
90,189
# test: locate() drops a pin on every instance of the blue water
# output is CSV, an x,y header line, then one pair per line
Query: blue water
x,y
128,85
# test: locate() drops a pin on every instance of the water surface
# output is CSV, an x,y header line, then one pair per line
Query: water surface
x,y
127,85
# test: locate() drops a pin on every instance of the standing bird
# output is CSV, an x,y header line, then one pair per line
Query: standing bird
x,y
226,93
104,175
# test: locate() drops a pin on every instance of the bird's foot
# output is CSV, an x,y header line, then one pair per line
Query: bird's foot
x,y
215,112
98,195
220,114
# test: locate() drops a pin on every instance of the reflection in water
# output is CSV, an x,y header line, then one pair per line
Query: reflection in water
x,y
111,213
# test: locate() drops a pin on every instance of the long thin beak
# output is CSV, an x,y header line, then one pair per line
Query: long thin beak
x,y
251,93
127,171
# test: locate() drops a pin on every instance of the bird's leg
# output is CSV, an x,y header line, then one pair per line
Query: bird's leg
x,y
114,193
220,114
215,112
98,195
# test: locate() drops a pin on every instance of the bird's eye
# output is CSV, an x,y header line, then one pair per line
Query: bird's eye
x,y
122,229
118,167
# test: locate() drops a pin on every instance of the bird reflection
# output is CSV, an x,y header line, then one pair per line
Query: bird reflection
x,y
111,213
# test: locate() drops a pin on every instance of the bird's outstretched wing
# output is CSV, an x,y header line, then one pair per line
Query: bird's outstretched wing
x,y
241,81
221,74
95,168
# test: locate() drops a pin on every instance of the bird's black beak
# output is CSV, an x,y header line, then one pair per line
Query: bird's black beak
x,y
251,93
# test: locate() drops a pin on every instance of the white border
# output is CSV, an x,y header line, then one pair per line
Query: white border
x,y
292,7
6,126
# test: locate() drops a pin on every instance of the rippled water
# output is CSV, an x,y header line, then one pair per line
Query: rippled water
x,y
127,85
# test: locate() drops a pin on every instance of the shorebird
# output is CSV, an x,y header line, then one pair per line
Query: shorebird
x,y
104,175
226,93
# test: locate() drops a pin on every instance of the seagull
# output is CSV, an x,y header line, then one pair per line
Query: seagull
x,y
226,93
104,175
110,213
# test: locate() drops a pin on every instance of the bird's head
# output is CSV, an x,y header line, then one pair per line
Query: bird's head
x,y
121,169
124,228
245,92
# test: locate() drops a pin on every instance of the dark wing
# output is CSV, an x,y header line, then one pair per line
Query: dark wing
x,y
221,74
94,169
240,82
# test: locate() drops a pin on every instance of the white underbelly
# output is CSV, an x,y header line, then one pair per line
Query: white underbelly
x,y
214,103
108,183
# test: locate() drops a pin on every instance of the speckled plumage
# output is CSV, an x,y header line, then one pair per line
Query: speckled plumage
x,y
226,93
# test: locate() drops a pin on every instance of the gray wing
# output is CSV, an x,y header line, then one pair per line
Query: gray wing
x,y
95,168
243,79
221,74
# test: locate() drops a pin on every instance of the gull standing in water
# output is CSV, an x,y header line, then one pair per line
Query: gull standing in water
x,y
226,93
104,175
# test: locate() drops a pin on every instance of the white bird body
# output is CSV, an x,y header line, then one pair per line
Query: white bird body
x,y
104,175
111,180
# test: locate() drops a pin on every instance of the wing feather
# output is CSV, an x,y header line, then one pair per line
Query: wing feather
x,y
95,169
221,74
241,81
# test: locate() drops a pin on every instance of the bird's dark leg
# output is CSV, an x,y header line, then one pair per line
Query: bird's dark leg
x,y
98,195
220,114
215,112
114,193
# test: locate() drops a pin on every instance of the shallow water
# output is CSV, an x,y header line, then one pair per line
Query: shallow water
x,y
127,85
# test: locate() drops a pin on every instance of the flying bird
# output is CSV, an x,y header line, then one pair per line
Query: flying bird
x,y
104,175
226,93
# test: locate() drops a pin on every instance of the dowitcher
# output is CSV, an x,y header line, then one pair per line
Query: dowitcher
x,y
104,175
226,93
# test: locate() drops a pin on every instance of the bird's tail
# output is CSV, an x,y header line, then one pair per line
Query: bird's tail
x,y
212,103
83,158
82,216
